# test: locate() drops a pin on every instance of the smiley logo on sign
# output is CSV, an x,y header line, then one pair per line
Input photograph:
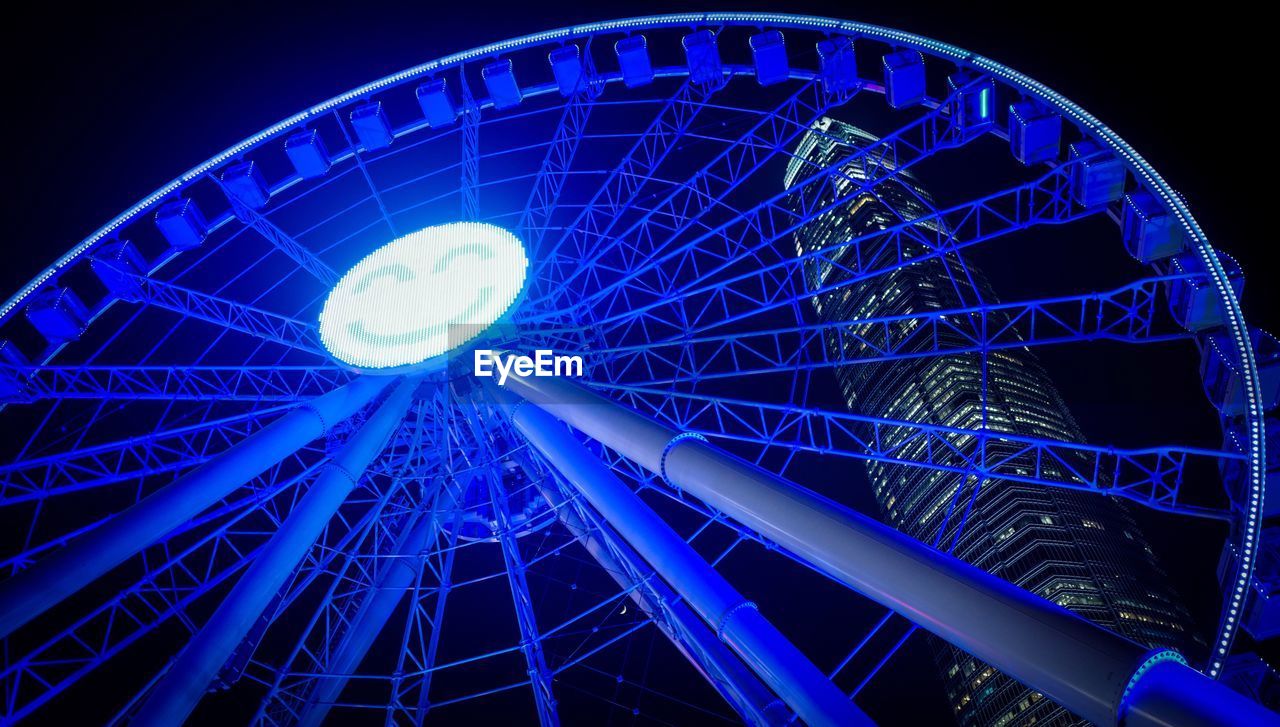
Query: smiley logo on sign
x,y
423,294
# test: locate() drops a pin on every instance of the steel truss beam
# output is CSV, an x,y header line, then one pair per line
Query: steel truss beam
x,y
32,591
175,383
282,241
1127,314
620,190
554,170
744,233
1151,476
530,638
37,478
178,692
774,133
225,313
372,611
469,187
1099,675
167,590
745,286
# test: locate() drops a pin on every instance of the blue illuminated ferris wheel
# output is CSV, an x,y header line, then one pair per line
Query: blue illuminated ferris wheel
x,y
256,476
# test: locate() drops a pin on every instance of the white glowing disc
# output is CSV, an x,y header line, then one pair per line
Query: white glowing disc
x,y
422,295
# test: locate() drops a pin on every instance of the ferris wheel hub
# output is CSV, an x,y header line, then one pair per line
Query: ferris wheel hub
x,y
422,295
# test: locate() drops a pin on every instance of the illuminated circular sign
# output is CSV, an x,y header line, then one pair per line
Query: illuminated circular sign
x,y
422,295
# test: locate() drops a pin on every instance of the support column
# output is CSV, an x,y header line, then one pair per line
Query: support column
x,y
50,580
190,674
737,622
751,699
377,607
1082,666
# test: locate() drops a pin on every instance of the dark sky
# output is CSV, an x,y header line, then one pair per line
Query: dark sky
x,y
107,103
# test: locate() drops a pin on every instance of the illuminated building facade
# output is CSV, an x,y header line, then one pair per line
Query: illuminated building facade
x,y
1078,550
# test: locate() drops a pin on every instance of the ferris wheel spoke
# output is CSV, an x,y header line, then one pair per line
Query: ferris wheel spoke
x,y
623,184
1128,314
744,233
160,452
741,158
358,159
166,591
283,383
270,232
176,695
373,575
50,580
1151,476
553,172
420,621
763,286
226,313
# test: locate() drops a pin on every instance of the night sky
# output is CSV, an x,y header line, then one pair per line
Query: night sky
x,y
108,103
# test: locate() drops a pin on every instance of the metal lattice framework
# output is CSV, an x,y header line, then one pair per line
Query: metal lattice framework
x,y
440,562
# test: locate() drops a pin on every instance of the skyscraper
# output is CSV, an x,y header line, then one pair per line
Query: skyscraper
x,y
1079,550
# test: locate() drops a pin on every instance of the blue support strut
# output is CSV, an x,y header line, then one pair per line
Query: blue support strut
x,y
1091,671
50,580
189,676
378,605
778,662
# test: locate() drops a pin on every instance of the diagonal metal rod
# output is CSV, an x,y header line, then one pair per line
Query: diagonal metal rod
x,y
737,621
180,690
1095,673
49,581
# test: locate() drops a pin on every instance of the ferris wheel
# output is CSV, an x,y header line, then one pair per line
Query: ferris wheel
x,y
255,474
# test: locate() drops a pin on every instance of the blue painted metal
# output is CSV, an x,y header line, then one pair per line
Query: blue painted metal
x,y
1195,301
633,57
58,314
837,66
566,66
433,97
736,620
500,78
252,195
182,224
178,692
308,154
31,592
1098,177
372,126
372,615
769,52
703,57
904,78
245,187
1080,665
171,383
696,266
1035,133
1150,233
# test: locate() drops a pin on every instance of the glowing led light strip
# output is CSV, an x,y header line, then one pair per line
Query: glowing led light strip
x,y
422,295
